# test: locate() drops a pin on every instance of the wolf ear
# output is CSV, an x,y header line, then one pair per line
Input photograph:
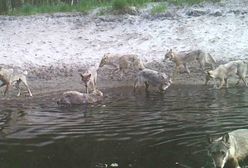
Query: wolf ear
x,y
226,138
88,76
210,139
81,75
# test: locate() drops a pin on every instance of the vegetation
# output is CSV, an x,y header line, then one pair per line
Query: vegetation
x,y
160,8
27,7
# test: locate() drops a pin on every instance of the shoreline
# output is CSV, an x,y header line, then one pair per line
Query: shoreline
x,y
54,48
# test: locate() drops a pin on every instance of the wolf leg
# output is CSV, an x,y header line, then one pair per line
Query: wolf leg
x,y
207,79
147,85
26,84
135,84
221,84
18,87
202,65
187,68
244,80
226,83
6,89
237,83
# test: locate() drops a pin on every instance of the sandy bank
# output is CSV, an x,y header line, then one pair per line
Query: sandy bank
x,y
54,48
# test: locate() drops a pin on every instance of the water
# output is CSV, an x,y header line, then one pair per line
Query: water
x,y
146,130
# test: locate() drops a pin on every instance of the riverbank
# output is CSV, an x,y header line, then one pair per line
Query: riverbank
x,y
54,48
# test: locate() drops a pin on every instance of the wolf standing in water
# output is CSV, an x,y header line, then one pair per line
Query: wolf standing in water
x,y
89,78
229,149
9,77
149,77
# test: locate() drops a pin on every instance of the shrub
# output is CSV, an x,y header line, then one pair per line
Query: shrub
x,y
27,9
119,4
160,8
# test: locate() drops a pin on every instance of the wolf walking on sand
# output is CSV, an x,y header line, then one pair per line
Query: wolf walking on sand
x,y
122,63
9,77
225,71
229,149
183,58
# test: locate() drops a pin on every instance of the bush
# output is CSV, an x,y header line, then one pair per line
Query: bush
x,y
27,9
119,4
160,8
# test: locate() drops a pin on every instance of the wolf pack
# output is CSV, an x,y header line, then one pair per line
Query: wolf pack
x,y
225,151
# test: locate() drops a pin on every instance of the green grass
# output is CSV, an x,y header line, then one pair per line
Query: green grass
x,y
159,8
189,2
87,5
84,6
119,4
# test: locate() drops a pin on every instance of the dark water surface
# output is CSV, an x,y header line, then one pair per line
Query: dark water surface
x,y
152,130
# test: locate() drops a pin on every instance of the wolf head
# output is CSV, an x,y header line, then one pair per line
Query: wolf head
x,y
169,55
104,60
210,74
97,93
219,150
85,78
165,81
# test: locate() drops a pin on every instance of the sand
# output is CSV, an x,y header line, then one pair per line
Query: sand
x,y
54,48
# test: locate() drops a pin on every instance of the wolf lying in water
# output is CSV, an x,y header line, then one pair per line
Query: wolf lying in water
x,y
77,98
229,149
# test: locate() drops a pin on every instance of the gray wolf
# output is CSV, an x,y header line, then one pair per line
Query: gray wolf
x,y
9,77
183,58
77,98
229,149
154,78
122,63
89,78
223,72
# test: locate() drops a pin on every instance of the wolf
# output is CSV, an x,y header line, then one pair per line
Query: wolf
x,y
229,149
223,72
184,58
89,78
122,63
154,78
78,98
9,77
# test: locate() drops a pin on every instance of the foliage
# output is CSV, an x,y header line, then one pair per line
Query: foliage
x,y
159,8
119,4
28,7
187,2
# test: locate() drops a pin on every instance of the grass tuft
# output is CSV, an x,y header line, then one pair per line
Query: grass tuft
x,y
159,8
53,6
119,5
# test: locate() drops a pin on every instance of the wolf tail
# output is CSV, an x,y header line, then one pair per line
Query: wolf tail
x,y
246,62
211,58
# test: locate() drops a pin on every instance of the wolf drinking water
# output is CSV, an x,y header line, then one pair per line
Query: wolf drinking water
x,y
154,78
